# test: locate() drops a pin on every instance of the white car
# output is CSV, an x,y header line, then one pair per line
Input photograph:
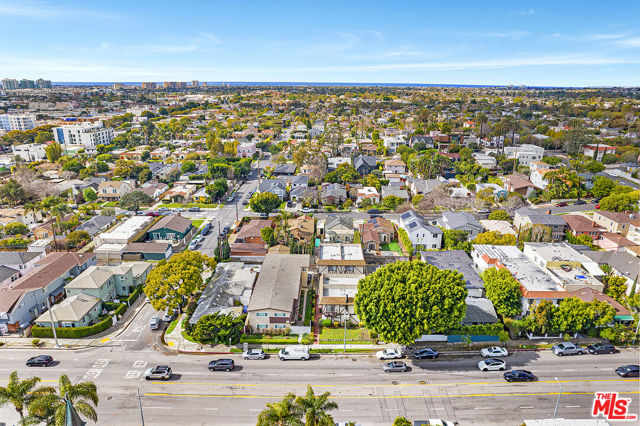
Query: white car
x,y
494,351
492,364
307,210
253,354
389,354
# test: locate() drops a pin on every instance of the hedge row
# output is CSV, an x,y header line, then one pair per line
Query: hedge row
x,y
72,333
479,330
134,295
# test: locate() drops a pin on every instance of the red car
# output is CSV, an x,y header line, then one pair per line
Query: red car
x,y
597,206
561,204
154,214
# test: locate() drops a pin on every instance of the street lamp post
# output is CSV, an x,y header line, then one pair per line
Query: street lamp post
x,y
53,325
558,400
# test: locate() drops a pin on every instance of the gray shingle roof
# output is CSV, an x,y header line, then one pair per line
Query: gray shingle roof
x,y
479,310
278,283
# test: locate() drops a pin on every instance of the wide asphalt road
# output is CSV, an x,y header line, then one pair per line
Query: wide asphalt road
x,y
451,387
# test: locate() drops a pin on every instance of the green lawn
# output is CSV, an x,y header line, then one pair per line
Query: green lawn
x,y
336,335
266,338
172,326
197,222
393,246
110,204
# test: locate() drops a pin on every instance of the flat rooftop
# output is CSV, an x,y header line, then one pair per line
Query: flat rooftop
x,y
574,276
128,228
561,252
340,252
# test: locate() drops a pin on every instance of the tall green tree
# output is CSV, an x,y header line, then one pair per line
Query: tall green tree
x,y
404,300
504,292
53,152
134,199
50,408
89,195
21,393
264,202
315,408
282,413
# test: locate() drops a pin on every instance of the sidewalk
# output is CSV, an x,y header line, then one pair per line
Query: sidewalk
x,y
81,343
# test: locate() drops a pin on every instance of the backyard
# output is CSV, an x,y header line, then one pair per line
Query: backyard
x,y
392,246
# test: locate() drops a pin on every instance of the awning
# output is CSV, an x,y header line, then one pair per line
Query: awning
x,y
623,318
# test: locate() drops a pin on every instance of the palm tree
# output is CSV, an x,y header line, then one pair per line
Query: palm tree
x,y
315,408
54,207
481,120
21,393
283,413
51,407
282,228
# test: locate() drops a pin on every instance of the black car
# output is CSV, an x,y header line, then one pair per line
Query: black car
x,y
194,209
595,200
601,348
222,364
628,371
579,202
519,376
426,353
226,230
374,211
40,361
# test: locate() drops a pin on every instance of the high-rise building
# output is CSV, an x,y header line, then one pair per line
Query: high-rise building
x,y
195,83
181,84
149,86
22,122
170,85
118,86
88,134
43,84
10,84
27,84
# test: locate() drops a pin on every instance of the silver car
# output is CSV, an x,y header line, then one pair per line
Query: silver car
x,y
567,348
154,323
160,372
253,354
394,366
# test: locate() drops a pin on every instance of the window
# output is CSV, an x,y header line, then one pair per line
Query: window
x,y
348,269
280,314
333,268
279,326
261,314
261,326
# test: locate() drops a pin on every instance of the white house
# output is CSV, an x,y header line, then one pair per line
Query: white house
x,y
368,192
88,134
30,152
589,150
525,153
538,178
246,149
421,234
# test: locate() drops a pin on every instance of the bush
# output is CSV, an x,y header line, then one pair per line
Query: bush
x,y
35,343
326,322
478,330
134,295
373,335
307,339
72,333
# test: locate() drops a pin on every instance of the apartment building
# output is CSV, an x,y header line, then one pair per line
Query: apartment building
x,y
20,122
86,133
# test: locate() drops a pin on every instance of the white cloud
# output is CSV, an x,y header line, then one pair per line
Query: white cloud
x,y
628,42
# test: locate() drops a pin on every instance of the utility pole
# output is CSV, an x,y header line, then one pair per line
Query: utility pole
x,y
558,400
140,405
53,326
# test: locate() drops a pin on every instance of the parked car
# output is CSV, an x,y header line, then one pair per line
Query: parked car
x,y
628,370
492,364
168,316
245,202
307,210
160,372
224,364
601,348
163,209
563,204
193,244
40,361
264,215
231,198
598,206
154,214
426,353
389,354
195,209
494,351
253,354
579,202
394,366
567,348
226,230
519,376
434,422
154,323
178,209
595,200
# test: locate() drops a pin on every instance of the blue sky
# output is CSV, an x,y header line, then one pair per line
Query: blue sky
x,y
559,43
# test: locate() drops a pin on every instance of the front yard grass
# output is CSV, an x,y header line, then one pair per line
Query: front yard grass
x,y
197,222
336,335
268,339
187,205
172,325
110,204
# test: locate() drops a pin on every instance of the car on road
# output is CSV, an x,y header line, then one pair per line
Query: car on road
x,y
389,354
519,376
579,202
40,361
168,316
245,202
154,323
374,211
153,214
492,364
264,215
394,366
563,204
178,209
163,209
160,372
231,198
598,206
294,352
226,230
601,348
494,351
307,210
484,211
289,204
253,354
195,209
628,370
193,244
434,422
595,201
567,348
224,364
426,353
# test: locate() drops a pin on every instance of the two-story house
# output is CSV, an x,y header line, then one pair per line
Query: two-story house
x,y
114,190
421,234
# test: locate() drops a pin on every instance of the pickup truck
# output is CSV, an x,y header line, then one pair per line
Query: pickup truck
x,y
567,348
294,352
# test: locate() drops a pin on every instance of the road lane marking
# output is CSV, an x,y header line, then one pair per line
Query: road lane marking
x,y
572,406
526,408
159,408
132,374
477,395
381,384
211,409
483,408
106,339
139,363
569,369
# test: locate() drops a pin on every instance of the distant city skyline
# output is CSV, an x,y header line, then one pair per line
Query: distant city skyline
x,y
540,43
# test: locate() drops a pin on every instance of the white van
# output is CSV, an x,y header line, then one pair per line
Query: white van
x,y
294,352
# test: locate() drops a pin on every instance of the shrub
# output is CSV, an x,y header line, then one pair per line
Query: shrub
x,y
336,324
326,322
73,333
35,343
373,335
